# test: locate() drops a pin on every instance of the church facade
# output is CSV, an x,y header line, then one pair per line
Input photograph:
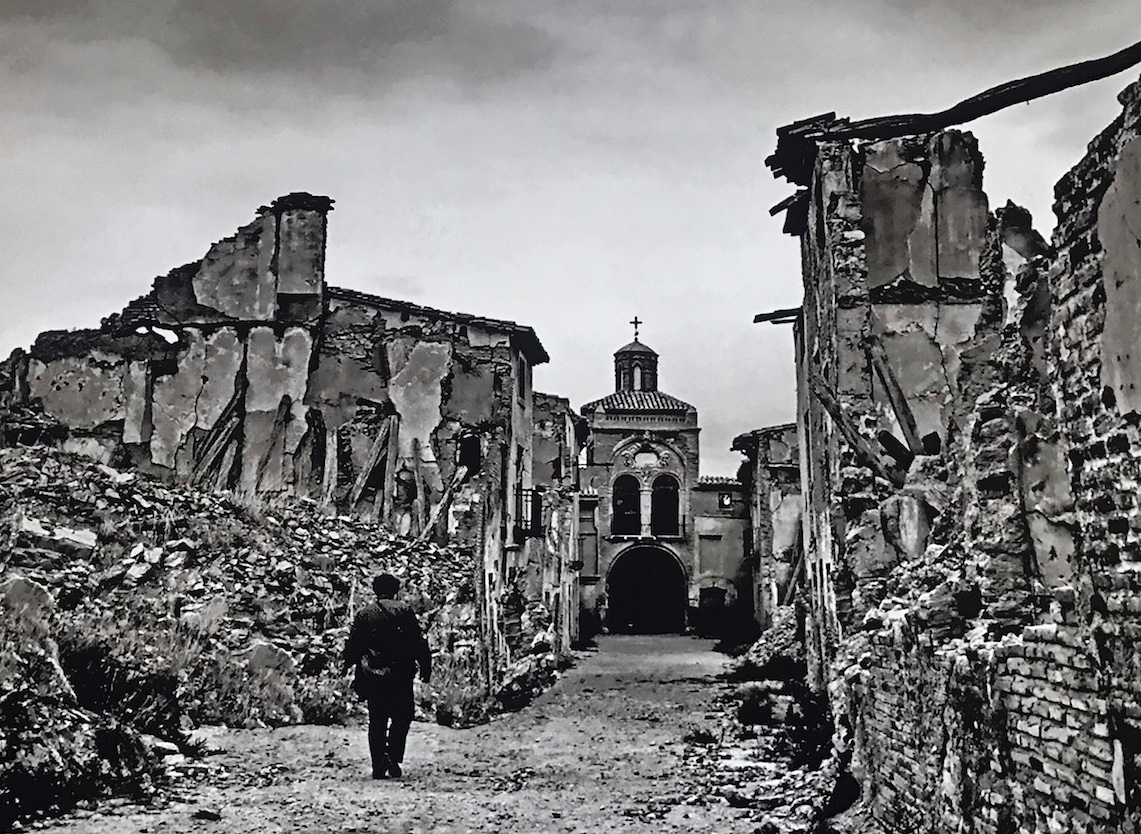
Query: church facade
x,y
638,517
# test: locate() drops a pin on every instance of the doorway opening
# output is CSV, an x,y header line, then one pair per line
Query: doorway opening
x,y
646,593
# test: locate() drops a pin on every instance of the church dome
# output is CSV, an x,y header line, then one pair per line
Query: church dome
x,y
636,347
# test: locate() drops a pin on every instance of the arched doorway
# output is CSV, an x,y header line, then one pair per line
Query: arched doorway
x,y
646,593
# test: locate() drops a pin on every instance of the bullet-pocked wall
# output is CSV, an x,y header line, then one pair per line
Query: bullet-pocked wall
x,y
246,371
970,435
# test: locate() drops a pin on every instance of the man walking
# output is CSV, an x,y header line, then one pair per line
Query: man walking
x,y
386,646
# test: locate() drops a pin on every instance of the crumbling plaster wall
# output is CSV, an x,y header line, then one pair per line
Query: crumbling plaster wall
x,y
986,680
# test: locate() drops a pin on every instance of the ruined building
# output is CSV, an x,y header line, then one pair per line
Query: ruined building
x,y
246,370
644,516
770,479
969,431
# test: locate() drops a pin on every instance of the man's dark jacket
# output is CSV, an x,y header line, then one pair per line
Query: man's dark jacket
x,y
387,636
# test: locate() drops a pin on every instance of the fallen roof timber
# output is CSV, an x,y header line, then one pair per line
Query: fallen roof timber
x,y
795,152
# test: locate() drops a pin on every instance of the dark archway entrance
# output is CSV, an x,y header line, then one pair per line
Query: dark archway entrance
x,y
645,592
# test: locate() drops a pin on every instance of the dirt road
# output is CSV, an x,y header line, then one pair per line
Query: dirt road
x,y
602,751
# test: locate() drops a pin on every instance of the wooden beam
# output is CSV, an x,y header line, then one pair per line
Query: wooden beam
x,y
387,510
895,394
332,466
420,504
220,434
784,316
275,436
216,447
445,501
376,453
795,154
797,568
989,101
860,445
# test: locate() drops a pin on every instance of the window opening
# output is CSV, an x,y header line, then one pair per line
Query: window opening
x,y
665,506
626,517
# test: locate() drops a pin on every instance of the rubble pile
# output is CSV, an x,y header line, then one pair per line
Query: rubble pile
x,y
174,607
754,767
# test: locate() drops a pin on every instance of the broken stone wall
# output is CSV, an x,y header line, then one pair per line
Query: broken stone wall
x,y
771,475
982,671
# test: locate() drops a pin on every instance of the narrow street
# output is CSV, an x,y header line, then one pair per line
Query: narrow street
x,y
602,751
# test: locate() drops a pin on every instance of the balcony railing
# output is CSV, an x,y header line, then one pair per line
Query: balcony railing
x,y
528,514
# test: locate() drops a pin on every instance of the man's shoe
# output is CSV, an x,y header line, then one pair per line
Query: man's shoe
x,y
380,771
394,769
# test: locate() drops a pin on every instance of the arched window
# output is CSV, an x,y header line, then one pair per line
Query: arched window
x,y
637,377
664,506
626,515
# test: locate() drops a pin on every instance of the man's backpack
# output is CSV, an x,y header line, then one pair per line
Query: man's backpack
x,y
374,675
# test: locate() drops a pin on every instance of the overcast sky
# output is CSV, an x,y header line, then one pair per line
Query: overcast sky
x,y
567,165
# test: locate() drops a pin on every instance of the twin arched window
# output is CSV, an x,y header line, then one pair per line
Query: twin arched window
x,y
626,515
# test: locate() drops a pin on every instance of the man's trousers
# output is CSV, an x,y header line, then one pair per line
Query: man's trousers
x,y
389,718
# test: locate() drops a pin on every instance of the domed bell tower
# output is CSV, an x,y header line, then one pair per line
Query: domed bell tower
x,y
635,366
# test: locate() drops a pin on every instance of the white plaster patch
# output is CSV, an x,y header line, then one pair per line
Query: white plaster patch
x,y
478,337
135,393
416,393
172,404
786,514
1119,228
77,391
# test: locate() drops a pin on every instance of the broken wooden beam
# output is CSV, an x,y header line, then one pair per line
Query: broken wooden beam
x,y
989,101
376,453
795,154
214,446
276,435
785,316
332,467
860,445
420,503
904,416
386,508
444,502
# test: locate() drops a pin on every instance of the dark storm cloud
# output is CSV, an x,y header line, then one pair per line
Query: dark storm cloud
x,y
307,37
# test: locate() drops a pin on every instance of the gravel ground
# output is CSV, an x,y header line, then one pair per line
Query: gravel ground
x,y
602,751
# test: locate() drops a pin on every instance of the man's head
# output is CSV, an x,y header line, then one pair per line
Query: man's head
x,y
386,585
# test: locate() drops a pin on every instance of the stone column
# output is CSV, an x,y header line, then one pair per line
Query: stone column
x,y
647,495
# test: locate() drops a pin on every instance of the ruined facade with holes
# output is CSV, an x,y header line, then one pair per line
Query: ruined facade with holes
x,y
247,371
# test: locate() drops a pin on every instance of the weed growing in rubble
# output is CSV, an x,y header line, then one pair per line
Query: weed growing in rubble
x,y
699,735
251,508
458,702
324,699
